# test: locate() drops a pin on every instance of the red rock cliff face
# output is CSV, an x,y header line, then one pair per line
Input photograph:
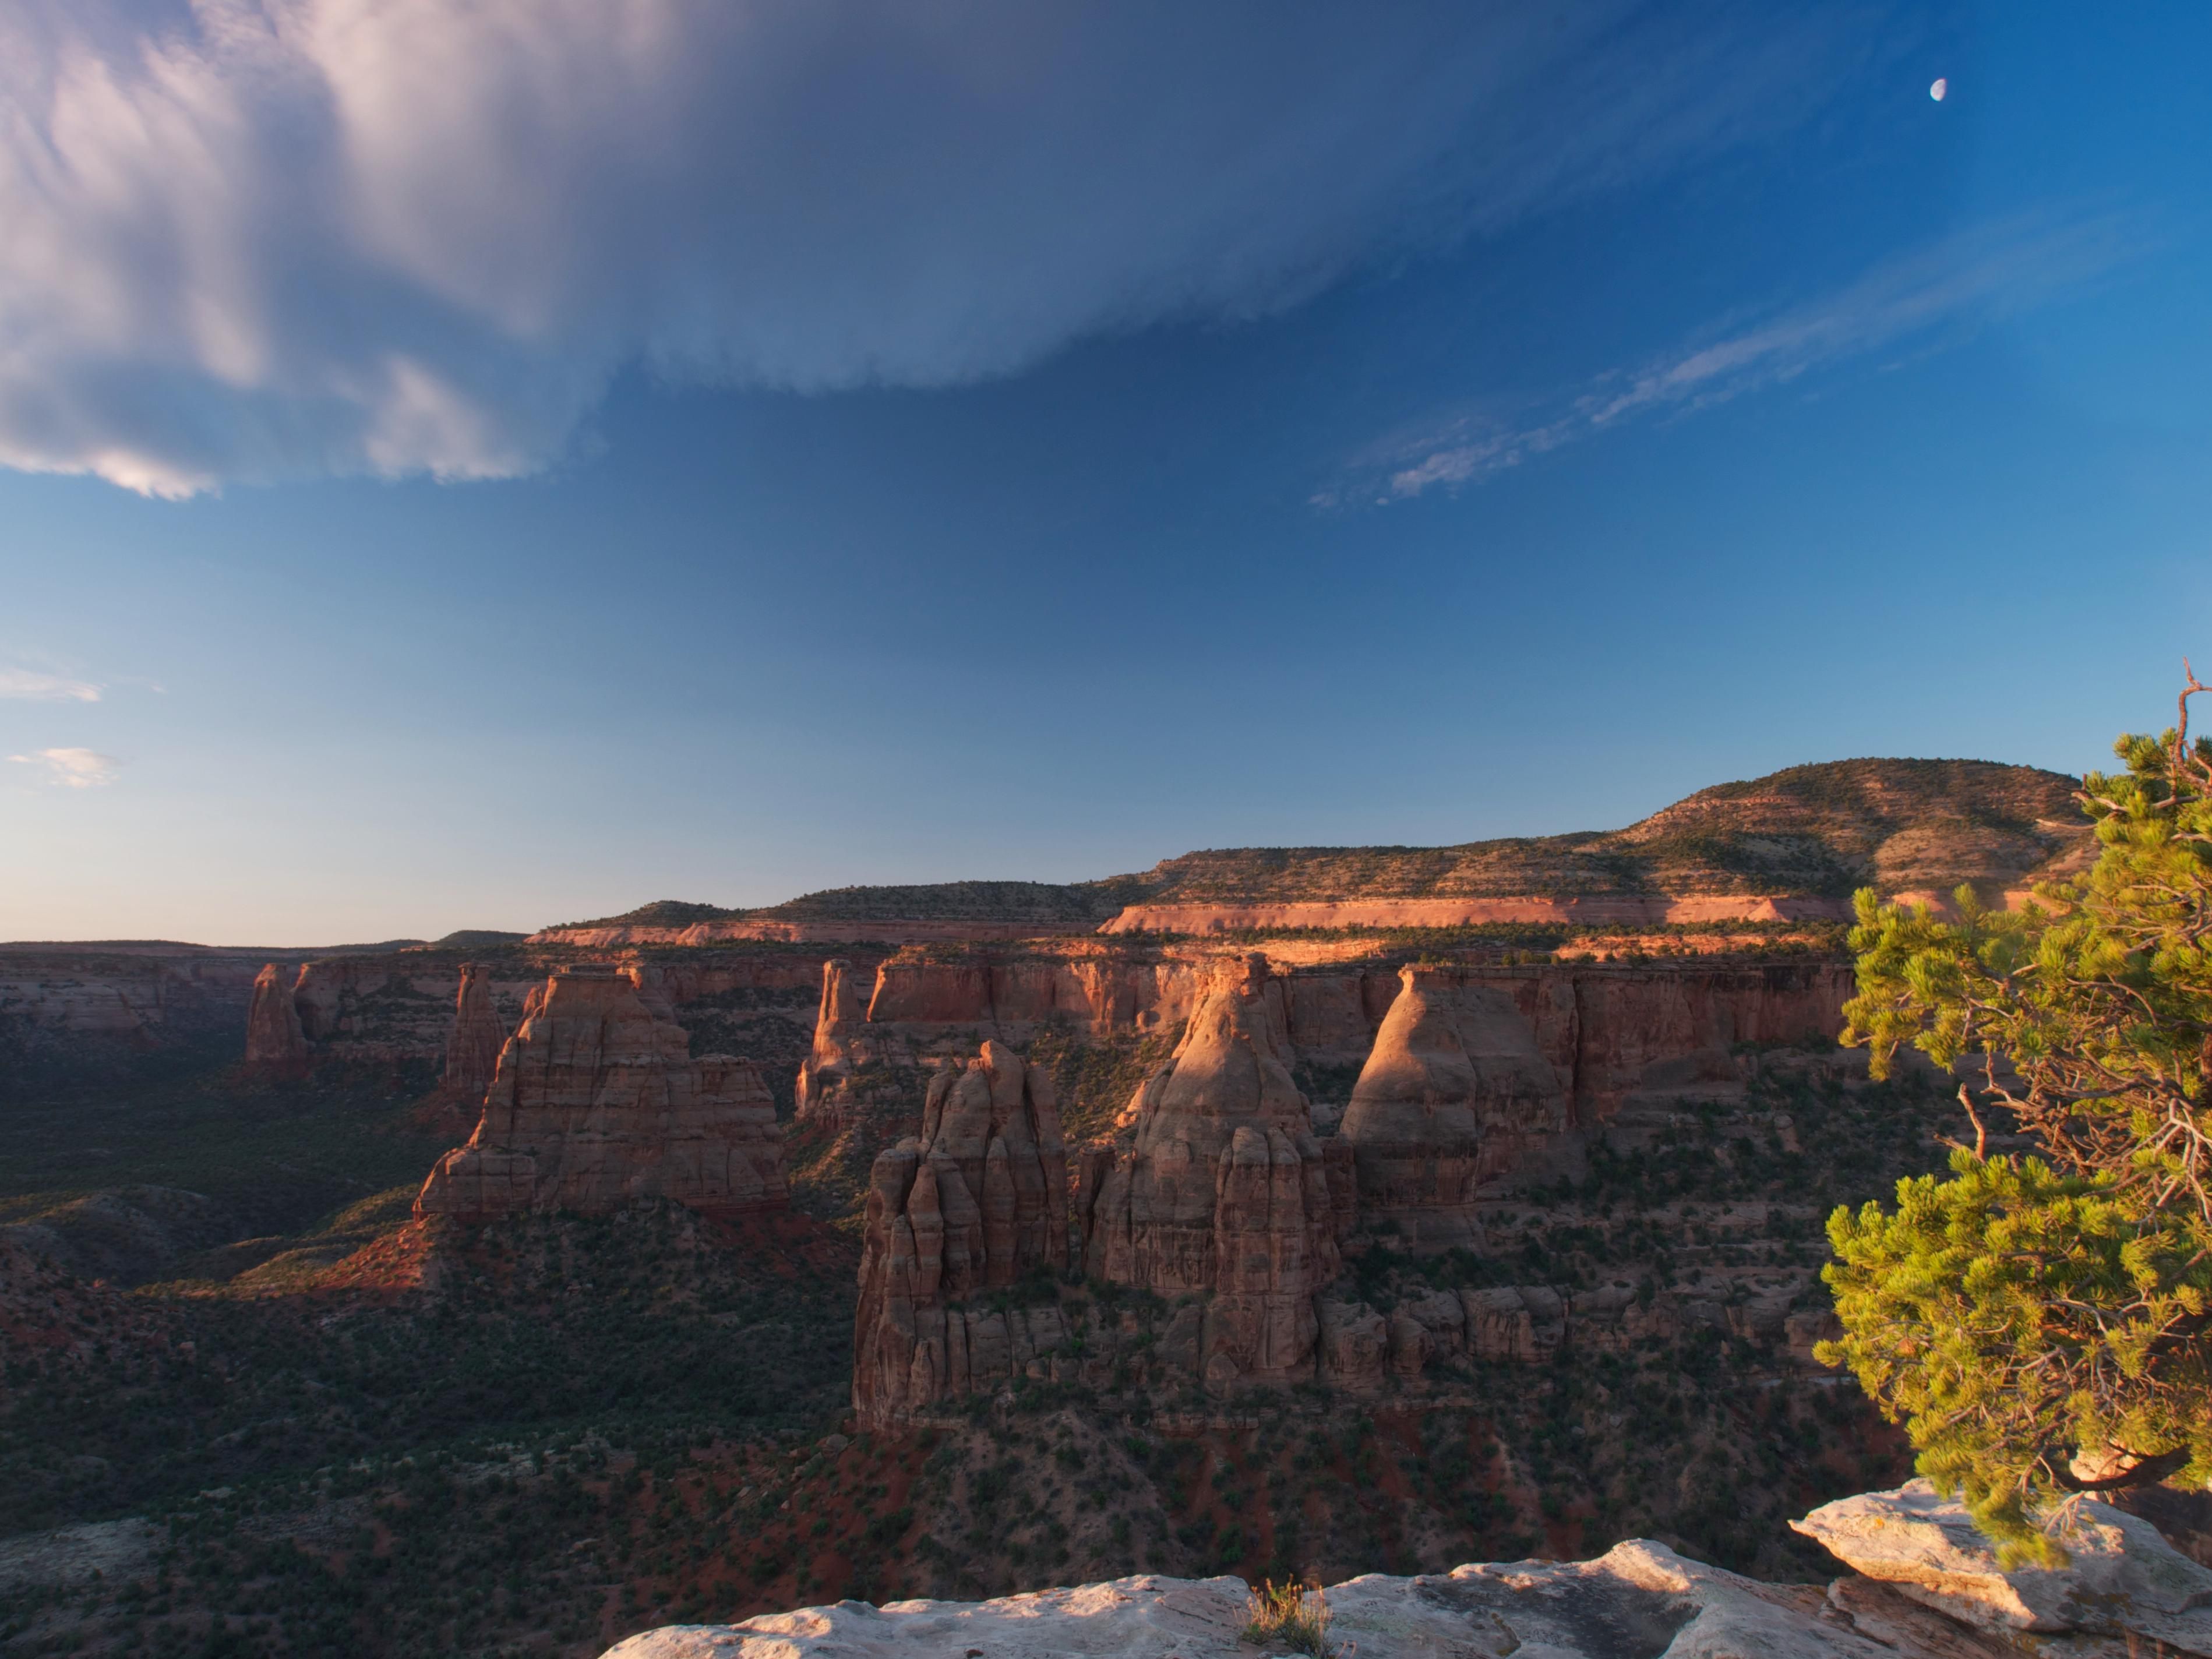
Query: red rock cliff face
x,y
597,1104
976,1201
275,1045
1455,1093
74,1000
1099,994
1609,1030
687,982
1225,1188
478,1035
1621,1037
1625,909
1221,1191
916,1006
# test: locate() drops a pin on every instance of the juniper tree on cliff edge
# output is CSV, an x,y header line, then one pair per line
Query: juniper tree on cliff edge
x,y
2044,1323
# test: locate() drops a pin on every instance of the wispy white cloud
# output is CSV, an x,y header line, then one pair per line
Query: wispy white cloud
x,y
1964,281
28,685
258,239
72,768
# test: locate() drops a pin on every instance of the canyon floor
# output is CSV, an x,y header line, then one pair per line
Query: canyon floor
x,y
282,1418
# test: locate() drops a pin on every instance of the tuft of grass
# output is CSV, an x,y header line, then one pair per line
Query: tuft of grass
x,y
1289,1616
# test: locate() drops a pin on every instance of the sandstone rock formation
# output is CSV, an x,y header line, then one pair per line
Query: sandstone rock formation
x,y
276,1044
478,1035
976,1202
1621,909
1454,1094
2124,1580
1627,1043
895,932
1223,1203
826,1077
1225,1188
1634,1601
596,1104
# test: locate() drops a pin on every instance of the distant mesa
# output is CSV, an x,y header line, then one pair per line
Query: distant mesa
x,y
596,1104
1791,846
472,939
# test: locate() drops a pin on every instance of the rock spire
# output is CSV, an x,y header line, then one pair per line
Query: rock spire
x,y
977,1201
275,1043
1225,1188
1454,1093
478,1034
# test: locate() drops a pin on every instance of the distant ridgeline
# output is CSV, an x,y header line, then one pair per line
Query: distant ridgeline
x,y
1758,866
1791,846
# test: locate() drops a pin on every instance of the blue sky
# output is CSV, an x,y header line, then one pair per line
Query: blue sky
x,y
719,452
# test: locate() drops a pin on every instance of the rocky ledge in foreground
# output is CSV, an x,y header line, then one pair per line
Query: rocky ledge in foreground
x,y
1932,1589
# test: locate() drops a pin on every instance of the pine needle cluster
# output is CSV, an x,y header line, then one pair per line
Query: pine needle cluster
x,y
2042,1320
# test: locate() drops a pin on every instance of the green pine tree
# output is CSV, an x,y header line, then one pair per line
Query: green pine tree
x,y
2043,1324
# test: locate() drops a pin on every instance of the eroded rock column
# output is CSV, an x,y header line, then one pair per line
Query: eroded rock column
x,y
1454,1093
1224,1189
596,1104
478,1034
978,1200
275,1041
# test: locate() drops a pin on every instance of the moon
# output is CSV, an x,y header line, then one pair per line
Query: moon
x,y
1941,86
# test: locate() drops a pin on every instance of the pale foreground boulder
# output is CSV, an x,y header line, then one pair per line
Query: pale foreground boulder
x,y
2125,1581
1639,1601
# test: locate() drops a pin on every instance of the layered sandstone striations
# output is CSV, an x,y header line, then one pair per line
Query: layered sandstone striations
x,y
110,1010
977,1202
596,1104
478,1035
1224,1189
275,1043
1454,1094
1222,1201
1635,1036
1626,909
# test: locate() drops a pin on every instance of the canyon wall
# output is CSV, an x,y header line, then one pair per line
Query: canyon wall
x,y
597,1104
893,932
1613,909
1613,1033
1222,1192
407,1006
71,1014
1217,1197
